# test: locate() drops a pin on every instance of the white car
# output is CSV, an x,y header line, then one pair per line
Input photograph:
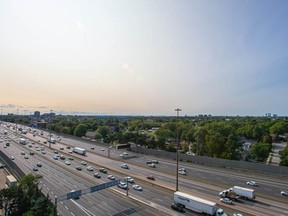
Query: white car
x,y
182,172
90,168
12,158
226,200
129,179
67,163
152,165
123,185
111,177
137,187
284,193
124,166
84,163
252,183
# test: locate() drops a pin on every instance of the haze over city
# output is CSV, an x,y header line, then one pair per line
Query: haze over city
x,y
144,57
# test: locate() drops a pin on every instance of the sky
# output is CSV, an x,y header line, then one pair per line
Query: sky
x,y
144,57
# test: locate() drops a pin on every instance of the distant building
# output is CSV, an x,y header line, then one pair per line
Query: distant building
x,y
37,114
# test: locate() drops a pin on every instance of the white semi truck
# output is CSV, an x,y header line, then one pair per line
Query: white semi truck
x,y
245,193
79,150
197,204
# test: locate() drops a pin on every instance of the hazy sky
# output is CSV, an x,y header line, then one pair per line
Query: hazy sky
x,y
146,57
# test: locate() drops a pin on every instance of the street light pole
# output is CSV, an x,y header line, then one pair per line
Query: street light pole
x,y
49,140
177,156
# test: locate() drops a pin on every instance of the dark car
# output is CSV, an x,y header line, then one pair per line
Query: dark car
x,y
151,177
103,170
177,207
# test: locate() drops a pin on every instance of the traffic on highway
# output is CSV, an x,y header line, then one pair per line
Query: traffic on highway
x,y
146,184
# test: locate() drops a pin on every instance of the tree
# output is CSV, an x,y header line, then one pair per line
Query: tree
x,y
260,151
104,131
26,199
284,156
80,130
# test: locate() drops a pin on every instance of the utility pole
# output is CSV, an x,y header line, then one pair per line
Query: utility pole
x,y
49,140
177,150
16,124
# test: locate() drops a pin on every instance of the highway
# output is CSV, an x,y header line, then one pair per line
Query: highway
x,y
203,181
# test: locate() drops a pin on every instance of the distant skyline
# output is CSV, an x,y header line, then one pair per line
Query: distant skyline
x,y
144,57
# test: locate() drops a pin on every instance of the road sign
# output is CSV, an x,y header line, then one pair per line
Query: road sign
x,y
104,185
73,194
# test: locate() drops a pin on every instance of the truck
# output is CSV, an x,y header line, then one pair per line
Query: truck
x,y
245,193
197,204
229,194
79,150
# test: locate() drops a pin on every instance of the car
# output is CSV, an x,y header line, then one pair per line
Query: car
x,y
111,177
92,148
151,177
123,156
155,161
137,187
71,158
90,168
124,166
12,158
182,173
79,168
43,152
31,153
35,169
61,148
149,162
182,169
55,152
70,152
252,183
177,207
22,153
102,149
226,200
122,185
97,175
55,157
26,157
62,157
67,163
284,192
84,163
68,147
39,164
152,165
129,179
37,149
237,214
103,170
30,145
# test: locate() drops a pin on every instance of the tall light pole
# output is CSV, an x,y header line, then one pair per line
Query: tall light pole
x,y
16,124
177,150
49,140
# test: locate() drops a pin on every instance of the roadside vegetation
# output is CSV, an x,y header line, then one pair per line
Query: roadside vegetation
x,y
25,199
220,137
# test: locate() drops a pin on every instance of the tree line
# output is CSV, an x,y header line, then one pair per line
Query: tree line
x,y
220,137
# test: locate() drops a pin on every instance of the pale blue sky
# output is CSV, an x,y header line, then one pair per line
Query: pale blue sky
x,y
146,57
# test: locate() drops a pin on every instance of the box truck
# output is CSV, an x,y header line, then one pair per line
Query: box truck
x,y
245,193
197,204
79,151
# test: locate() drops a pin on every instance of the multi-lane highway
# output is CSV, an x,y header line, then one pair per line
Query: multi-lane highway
x,y
155,199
